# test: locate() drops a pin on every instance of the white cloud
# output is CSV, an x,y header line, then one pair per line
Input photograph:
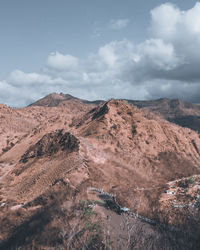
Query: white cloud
x,y
119,24
107,55
165,65
191,19
159,53
165,20
169,23
62,62
18,77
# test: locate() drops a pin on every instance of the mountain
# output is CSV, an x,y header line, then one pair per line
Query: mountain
x,y
74,168
174,110
54,99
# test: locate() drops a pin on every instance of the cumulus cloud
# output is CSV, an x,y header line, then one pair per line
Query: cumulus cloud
x,y
18,77
164,65
119,24
62,62
170,23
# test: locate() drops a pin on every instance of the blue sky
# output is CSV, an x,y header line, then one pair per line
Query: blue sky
x,y
83,47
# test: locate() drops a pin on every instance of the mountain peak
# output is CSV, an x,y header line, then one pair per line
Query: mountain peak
x,y
53,99
112,107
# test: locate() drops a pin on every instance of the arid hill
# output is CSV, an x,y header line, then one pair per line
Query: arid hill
x,y
74,168
54,100
174,110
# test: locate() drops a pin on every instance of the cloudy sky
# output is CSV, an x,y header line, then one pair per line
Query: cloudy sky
x,y
99,49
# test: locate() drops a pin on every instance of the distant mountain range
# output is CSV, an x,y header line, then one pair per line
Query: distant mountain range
x,y
174,110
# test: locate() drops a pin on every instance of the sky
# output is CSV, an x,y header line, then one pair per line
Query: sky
x,y
99,49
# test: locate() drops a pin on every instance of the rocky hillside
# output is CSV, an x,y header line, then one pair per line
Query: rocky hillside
x,y
126,155
174,110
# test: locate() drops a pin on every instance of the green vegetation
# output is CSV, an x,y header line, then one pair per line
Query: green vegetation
x,y
92,226
191,180
186,182
89,211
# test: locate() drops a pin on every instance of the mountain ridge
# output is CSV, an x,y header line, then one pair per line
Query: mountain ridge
x,y
181,113
52,155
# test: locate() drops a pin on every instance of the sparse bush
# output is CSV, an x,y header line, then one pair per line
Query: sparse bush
x,y
191,180
114,126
